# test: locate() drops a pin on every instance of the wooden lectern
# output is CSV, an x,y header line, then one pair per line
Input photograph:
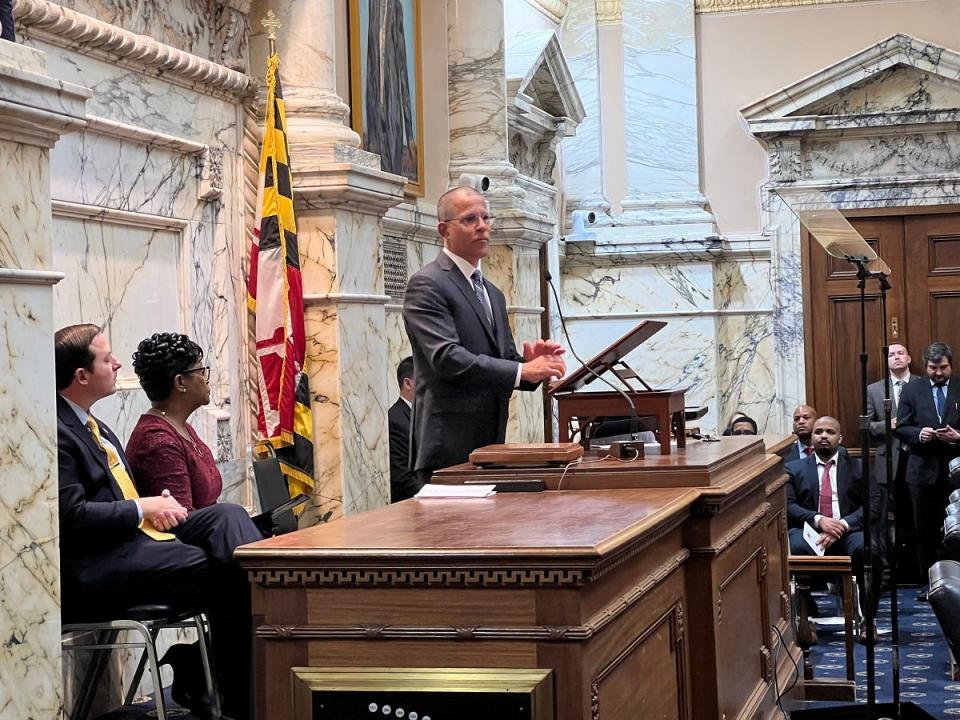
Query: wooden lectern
x,y
589,409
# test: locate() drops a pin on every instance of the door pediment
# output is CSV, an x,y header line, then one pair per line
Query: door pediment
x,y
899,81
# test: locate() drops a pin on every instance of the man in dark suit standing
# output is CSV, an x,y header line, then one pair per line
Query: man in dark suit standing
x,y
803,417
403,482
823,491
926,420
898,361
118,549
464,358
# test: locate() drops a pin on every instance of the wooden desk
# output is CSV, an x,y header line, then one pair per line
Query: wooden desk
x,y
668,406
629,595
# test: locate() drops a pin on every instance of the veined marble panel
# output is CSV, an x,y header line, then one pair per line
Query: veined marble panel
x,y
29,552
525,419
742,284
516,272
359,259
881,156
682,355
894,89
317,241
188,24
126,279
398,347
583,171
366,469
660,93
27,217
637,288
130,97
745,372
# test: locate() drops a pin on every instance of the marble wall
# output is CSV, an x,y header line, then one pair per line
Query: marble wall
x,y
35,110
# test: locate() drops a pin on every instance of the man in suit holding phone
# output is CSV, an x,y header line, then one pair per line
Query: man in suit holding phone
x,y
464,359
927,418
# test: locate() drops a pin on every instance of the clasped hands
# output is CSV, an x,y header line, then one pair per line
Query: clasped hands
x,y
946,434
163,511
542,360
831,530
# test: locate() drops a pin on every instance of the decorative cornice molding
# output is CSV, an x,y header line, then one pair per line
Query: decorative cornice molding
x,y
16,276
609,12
69,29
553,9
704,7
82,211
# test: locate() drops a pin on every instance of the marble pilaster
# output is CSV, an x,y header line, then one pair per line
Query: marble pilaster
x,y
662,196
583,179
35,110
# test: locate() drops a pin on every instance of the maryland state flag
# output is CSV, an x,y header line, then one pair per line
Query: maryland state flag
x,y
276,299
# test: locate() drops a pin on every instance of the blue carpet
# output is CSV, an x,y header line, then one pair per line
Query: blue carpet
x,y
924,657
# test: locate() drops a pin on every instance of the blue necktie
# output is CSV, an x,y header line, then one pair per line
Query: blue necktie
x,y
481,296
941,401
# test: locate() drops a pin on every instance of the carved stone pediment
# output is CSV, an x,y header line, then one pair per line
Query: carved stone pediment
x,y
900,81
543,106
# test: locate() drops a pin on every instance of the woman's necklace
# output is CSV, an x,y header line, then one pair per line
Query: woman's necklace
x,y
181,431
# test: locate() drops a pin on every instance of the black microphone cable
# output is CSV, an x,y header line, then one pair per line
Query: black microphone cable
x,y
634,418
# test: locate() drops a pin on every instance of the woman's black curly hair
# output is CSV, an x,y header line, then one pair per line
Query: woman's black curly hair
x,y
160,358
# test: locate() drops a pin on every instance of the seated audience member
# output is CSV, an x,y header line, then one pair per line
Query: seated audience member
x,y
728,430
803,418
164,450
119,549
823,492
403,481
744,425
6,21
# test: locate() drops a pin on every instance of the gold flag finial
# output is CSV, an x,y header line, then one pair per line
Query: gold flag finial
x,y
271,23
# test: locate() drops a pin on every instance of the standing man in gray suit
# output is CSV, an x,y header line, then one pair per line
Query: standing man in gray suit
x,y
465,362
898,360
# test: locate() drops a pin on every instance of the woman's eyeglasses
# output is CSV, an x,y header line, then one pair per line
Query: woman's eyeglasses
x,y
205,370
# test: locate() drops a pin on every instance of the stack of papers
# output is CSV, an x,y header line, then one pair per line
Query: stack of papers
x,y
456,491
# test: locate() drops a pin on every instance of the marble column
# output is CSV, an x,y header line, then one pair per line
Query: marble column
x,y
583,157
663,197
34,111
340,196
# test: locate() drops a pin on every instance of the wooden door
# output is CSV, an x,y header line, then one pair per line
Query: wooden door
x,y
932,284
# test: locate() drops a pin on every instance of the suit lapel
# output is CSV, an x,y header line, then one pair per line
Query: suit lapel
x,y
466,289
69,417
951,411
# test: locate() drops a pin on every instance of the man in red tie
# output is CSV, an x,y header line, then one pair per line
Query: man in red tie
x,y
824,493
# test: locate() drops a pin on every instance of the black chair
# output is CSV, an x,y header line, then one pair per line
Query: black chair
x,y
951,537
944,597
274,493
144,623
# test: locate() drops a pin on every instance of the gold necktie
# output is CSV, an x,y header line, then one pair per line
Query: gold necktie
x,y
120,474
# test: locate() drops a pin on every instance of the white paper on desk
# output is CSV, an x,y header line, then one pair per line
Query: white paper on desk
x,y
456,491
812,537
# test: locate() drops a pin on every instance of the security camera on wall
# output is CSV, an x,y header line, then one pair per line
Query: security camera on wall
x,y
480,183
582,219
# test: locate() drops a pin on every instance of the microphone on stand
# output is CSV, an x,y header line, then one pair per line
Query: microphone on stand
x,y
634,418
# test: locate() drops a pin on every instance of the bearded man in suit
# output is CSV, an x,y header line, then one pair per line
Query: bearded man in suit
x,y
465,362
927,418
823,491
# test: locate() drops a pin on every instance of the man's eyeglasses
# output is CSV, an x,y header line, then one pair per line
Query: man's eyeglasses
x,y
205,370
472,220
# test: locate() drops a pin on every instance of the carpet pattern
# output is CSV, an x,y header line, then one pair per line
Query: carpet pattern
x,y
924,657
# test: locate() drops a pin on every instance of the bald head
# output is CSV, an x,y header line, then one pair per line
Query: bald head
x,y
803,418
448,202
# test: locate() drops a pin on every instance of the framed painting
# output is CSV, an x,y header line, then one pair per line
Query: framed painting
x,y
386,87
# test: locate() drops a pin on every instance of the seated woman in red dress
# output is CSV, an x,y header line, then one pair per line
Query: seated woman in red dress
x,y
164,452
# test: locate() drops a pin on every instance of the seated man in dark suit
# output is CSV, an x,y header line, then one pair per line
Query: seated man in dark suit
x,y
119,550
403,481
824,492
